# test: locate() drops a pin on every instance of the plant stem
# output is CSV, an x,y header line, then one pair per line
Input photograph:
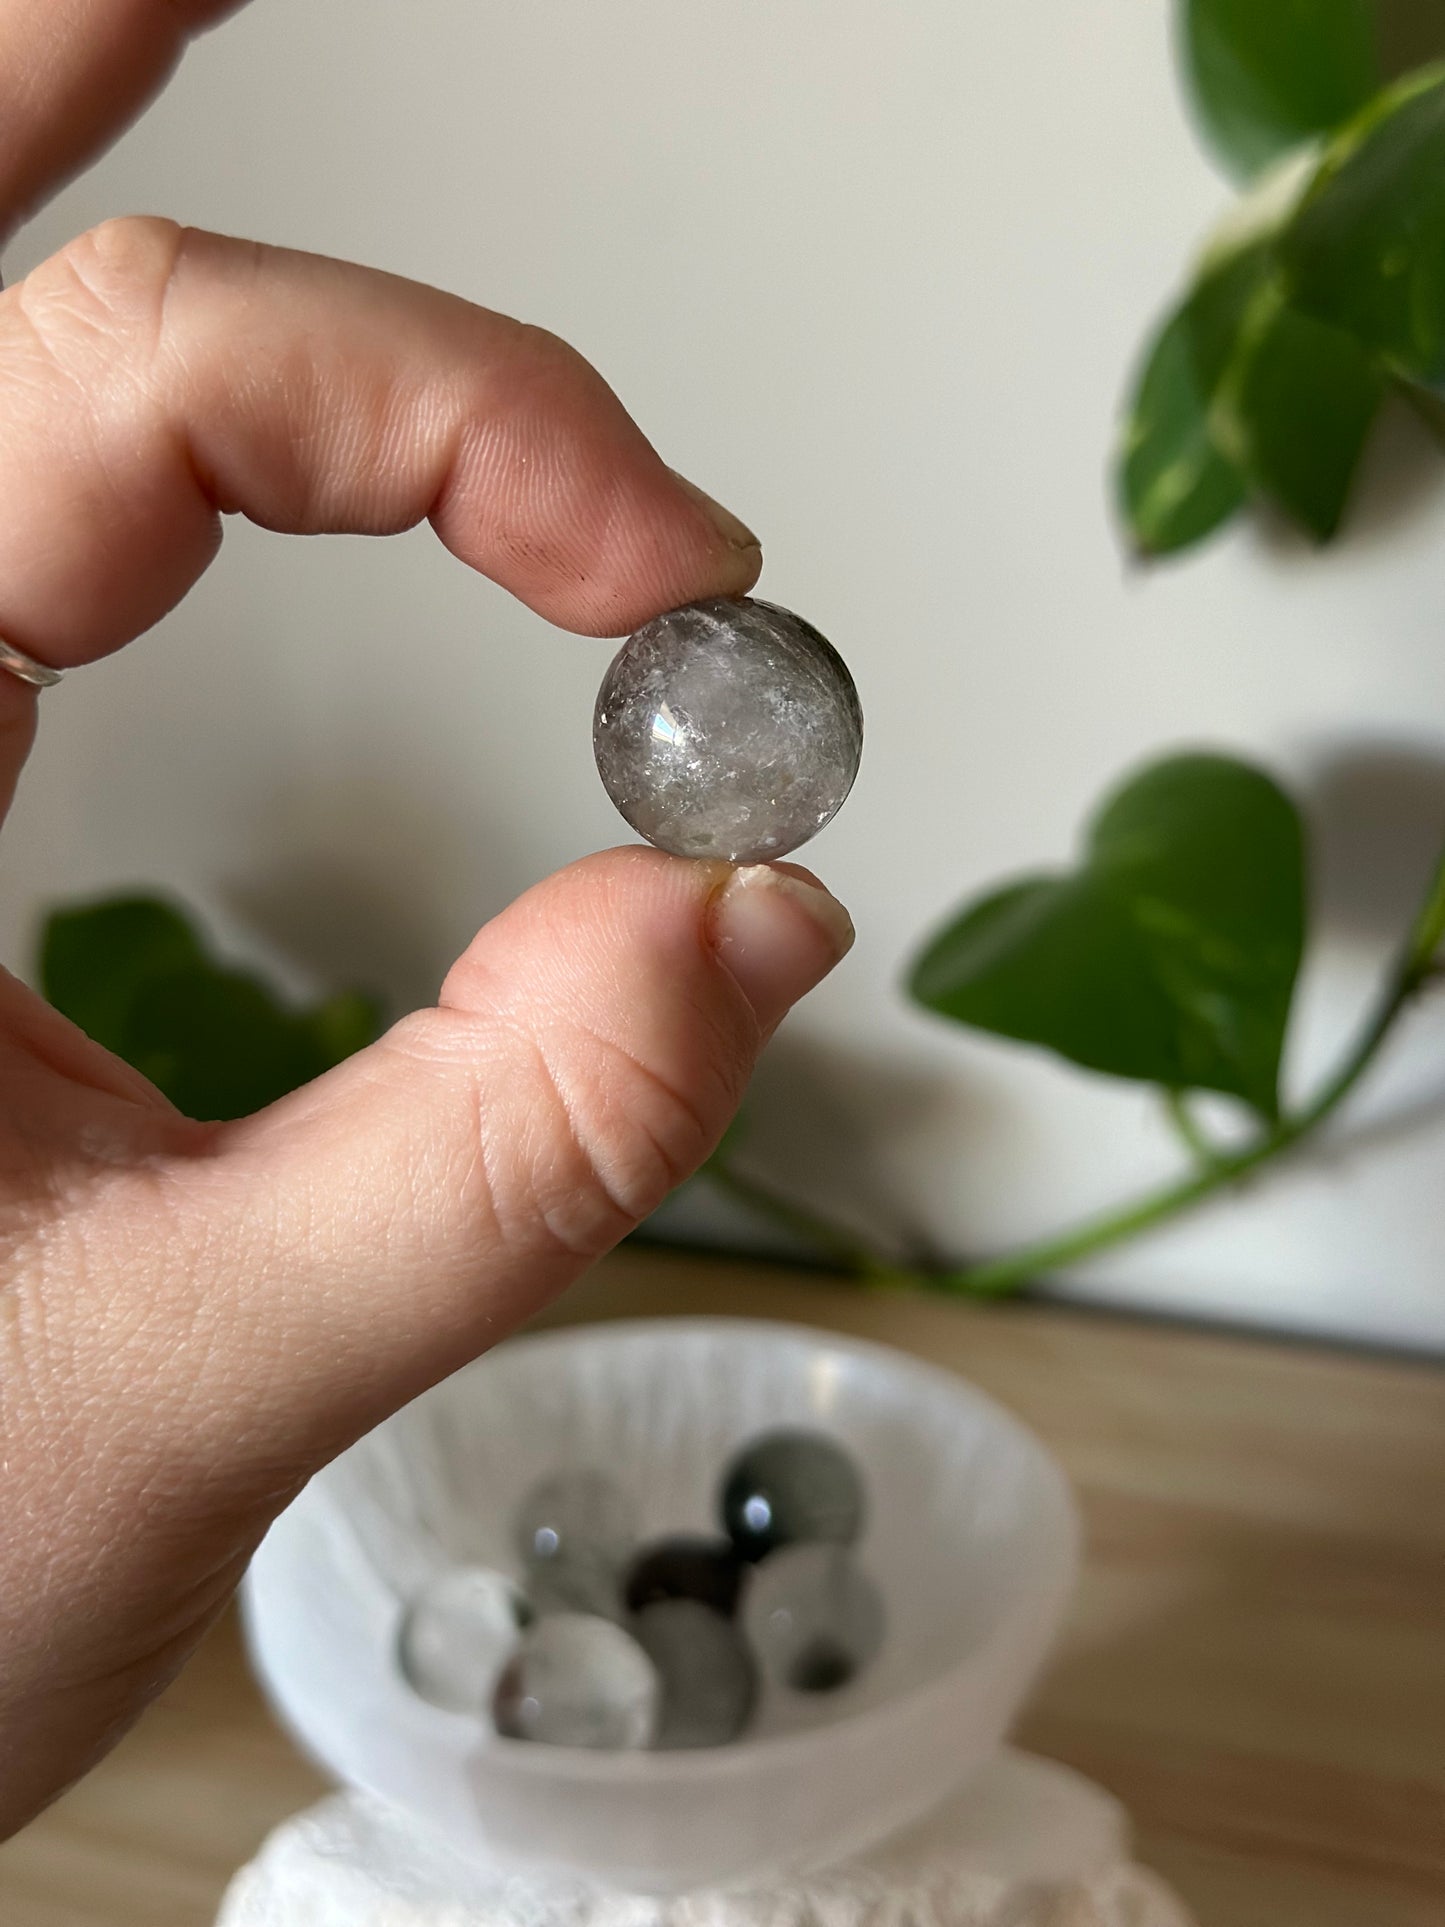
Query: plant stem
x,y
847,1251
1219,1169
994,1276
1186,1128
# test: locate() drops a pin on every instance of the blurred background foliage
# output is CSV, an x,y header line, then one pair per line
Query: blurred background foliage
x,y
1323,290
136,974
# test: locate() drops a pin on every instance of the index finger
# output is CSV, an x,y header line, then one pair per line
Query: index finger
x,y
73,75
156,378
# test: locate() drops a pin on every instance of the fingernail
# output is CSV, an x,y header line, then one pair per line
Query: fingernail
x,y
779,933
736,534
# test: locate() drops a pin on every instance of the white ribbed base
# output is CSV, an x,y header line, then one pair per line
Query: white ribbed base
x,y
1028,1844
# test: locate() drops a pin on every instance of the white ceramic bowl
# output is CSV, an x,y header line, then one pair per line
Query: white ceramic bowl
x,y
971,1533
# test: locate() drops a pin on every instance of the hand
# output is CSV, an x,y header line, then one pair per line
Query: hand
x,y
193,1317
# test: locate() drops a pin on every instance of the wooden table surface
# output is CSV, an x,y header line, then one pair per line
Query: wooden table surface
x,y
1255,1663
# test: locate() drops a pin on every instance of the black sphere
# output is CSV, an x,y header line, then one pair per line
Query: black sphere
x,y
791,1487
686,1567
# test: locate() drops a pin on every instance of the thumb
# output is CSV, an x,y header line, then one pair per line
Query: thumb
x,y
207,1326
370,1234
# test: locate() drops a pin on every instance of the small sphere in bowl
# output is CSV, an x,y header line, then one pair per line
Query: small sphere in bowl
x,y
575,1532
814,1617
457,1634
709,1677
577,1680
686,1566
790,1487
584,1582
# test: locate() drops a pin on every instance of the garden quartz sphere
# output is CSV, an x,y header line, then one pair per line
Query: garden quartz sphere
x,y
728,729
789,1486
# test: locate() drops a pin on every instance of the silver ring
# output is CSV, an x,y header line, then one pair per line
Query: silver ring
x,y
26,667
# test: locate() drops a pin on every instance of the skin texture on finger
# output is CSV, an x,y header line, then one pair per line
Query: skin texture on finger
x,y
206,1321
584,1056
156,378
73,73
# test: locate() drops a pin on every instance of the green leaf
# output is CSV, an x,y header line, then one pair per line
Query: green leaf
x,y
1366,250
1246,395
94,958
1266,75
218,1043
1219,308
1175,484
134,974
343,1025
1295,408
1169,956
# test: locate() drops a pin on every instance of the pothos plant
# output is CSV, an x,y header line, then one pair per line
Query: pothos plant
x,y
1321,292
1169,954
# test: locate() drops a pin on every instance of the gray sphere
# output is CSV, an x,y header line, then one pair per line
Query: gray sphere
x,y
728,729
709,1678
575,1534
814,1618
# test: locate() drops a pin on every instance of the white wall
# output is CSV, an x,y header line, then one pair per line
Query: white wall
x,y
873,274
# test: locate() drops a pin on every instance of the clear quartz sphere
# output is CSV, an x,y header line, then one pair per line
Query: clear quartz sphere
x,y
814,1617
575,1532
729,729
788,1486
709,1677
457,1634
577,1680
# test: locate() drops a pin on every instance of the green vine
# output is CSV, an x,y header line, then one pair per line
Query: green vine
x,y
1217,1170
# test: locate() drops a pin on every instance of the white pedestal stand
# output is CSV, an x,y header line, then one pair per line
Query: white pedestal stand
x,y
1027,1844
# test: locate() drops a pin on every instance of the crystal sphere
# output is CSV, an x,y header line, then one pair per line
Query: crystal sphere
x,y
709,1677
457,1634
814,1617
686,1566
788,1486
575,1532
728,729
576,1680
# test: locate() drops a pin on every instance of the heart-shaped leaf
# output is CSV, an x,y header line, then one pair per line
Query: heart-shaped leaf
x,y
1266,75
134,975
1169,956
1365,252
